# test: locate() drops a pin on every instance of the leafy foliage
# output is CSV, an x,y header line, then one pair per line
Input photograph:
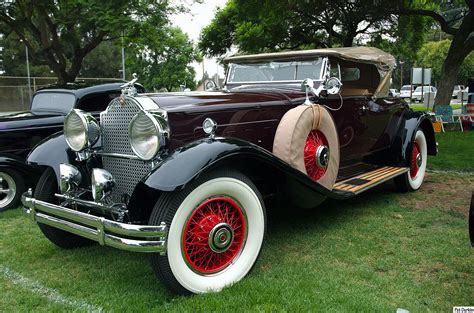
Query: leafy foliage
x,y
432,55
256,26
162,58
61,34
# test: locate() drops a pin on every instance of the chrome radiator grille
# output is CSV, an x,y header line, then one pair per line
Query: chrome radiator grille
x,y
114,133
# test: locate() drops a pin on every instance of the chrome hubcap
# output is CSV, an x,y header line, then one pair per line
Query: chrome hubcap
x,y
322,156
221,237
7,189
419,159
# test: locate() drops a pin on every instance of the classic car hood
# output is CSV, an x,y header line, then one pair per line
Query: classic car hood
x,y
26,120
201,101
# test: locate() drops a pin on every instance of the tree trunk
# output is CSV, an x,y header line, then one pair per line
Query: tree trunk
x,y
461,46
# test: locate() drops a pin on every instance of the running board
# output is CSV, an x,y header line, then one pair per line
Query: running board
x,y
362,182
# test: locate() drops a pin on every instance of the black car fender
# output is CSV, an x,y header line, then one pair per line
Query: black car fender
x,y
51,152
12,162
189,162
402,145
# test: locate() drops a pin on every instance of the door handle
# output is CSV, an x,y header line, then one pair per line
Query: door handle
x,y
364,109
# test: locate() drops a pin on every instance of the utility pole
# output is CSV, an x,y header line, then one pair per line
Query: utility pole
x,y
123,60
401,74
27,68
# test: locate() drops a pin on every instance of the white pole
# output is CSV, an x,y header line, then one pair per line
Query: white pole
x,y
123,60
28,70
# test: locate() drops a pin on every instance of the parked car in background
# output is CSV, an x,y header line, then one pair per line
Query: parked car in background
x,y
406,91
417,95
456,90
20,132
187,176
394,93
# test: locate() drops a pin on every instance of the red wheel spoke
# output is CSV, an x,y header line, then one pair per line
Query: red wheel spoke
x,y
200,227
314,140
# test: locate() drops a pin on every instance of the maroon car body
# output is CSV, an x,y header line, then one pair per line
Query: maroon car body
x,y
186,176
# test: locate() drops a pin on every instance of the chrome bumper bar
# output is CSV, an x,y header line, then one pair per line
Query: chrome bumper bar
x,y
105,232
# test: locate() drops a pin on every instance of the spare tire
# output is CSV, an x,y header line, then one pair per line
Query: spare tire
x,y
306,138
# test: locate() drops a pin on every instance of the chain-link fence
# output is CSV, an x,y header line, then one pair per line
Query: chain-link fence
x,y
15,93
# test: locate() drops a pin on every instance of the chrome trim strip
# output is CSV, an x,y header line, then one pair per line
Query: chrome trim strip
x,y
105,232
117,155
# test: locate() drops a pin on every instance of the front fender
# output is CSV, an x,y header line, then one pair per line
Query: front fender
x,y
187,163
51,152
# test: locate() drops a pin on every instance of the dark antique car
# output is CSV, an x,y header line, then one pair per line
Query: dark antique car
x,y
186,176
20,132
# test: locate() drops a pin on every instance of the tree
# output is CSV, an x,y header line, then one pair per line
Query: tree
x,y
432,55
162,58
61,34
256,26
457,21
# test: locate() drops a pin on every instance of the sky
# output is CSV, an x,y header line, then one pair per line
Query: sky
x,y
200,15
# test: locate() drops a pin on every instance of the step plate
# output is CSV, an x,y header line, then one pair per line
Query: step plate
x,y
362,182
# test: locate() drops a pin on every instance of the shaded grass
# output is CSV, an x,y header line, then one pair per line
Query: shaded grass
x,y
456,152
422,107
369,253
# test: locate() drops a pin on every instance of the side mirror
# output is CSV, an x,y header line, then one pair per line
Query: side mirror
x,y
332,85
210,85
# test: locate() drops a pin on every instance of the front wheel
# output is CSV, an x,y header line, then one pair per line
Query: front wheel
x,y
216,230
413,179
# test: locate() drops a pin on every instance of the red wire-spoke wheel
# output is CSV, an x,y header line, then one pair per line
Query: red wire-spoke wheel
x,y
214,235
316,155
416,160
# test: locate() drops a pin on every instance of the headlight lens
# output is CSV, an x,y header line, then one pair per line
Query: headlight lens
x,y
81,130
145,135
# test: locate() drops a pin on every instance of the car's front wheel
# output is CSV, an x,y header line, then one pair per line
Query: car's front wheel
x,y
216,230
413,179
12,186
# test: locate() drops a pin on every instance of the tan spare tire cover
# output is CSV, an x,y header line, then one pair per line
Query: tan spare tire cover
x,y
292,134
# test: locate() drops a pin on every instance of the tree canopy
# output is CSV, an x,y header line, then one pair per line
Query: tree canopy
x,y
61,34
162,57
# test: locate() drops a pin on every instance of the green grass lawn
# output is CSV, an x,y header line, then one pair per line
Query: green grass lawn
x,y
376,252
456,152
422,107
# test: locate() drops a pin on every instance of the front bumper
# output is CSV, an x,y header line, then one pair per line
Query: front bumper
x,y
130,237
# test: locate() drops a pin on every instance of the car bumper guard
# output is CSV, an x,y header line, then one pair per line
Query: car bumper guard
x,y
130,237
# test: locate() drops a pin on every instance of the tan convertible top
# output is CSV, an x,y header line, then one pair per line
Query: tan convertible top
x,y
357,54
384,62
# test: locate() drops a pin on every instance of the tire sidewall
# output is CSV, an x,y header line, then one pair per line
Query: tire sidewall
x,y
253,211
415,183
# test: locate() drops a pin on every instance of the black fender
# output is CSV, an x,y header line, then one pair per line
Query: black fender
x,y
189,162
50,152
401,147
13,162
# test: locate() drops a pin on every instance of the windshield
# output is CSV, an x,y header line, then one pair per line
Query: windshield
x,y
274,71
53,102
406,88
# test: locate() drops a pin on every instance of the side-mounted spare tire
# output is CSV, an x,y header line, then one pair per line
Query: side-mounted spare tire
x,y
306,138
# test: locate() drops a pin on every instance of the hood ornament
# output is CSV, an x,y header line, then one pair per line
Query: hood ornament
x,y
128,89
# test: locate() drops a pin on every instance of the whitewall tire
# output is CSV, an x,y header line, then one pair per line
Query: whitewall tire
x,y
216,230
413,179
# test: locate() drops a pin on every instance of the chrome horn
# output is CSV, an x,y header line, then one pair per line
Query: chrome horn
x,y
102,184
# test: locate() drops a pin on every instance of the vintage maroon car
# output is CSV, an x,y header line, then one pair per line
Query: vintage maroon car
x,y
186,176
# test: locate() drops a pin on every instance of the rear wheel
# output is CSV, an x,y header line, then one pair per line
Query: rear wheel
x,y
413,179
45,189
12,187
216,230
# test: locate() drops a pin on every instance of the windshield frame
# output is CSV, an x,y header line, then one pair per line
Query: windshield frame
x,y
322,74
59,109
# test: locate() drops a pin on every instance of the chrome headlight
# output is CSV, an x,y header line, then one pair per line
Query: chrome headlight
x,y
81,130
146,134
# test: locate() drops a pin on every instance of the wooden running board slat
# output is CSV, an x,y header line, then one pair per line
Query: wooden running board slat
x,y
364,181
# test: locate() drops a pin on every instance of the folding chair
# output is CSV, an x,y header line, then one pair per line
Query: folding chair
x,y
444,114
